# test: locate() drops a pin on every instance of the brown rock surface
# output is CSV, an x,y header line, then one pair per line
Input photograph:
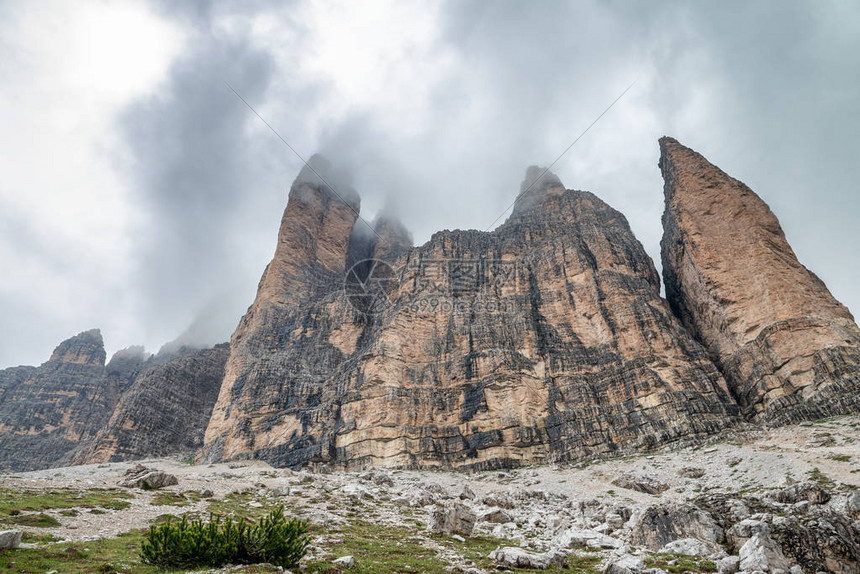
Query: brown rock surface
x,y
789,350
543,340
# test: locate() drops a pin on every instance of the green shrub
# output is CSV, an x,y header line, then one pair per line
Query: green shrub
x,y
224,540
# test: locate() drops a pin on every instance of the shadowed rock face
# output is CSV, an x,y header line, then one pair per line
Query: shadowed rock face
x,y
164,411
543,340
788,349
74,409
48,411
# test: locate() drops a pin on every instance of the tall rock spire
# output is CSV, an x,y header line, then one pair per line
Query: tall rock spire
x,y
543,340
309,264
789,350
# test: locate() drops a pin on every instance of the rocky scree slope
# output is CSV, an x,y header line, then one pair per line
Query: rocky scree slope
x,y
771,501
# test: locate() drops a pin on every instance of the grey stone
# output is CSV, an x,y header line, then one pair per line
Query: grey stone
x,y
761,553
344,562
802,492
728,565
688,547
660,525
646,484
626,564
147,478
691,472
452,518
852,505
497,516
10,539
511,557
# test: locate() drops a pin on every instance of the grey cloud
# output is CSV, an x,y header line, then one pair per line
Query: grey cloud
x,y
767,92
733,81
200,180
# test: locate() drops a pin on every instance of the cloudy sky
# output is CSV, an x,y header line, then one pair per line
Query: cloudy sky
x,y
139,195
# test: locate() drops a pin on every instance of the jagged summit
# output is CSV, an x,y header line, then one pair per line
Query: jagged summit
x,y
321,174
533,342
538,183
539,179
86,348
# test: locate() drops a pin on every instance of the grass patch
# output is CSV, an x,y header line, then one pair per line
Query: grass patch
x,y
682,563
34,520
38,537
167,498
841,457
378,549
106,556
12,500
243,504
824,481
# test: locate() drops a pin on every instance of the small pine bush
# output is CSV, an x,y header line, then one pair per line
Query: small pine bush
x,y
224,540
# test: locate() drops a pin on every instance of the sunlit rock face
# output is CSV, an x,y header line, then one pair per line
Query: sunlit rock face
x,y
544,340
787,348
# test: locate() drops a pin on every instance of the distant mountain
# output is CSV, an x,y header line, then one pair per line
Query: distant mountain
x,y
543,340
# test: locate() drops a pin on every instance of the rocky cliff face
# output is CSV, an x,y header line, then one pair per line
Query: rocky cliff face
x,y
164,411
788,349
47,411
74,409
543,340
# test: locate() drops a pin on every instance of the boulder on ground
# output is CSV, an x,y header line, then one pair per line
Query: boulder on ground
x,y
626,564
499,499
510,557
344,562
746,529
10,539
644,484
690,472
852,505
688,547
728,565
147,478
761,553
662,524
452,518
585,538
497,516
802,492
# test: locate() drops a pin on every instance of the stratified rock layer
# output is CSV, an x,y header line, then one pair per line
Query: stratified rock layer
x,y
543,340
46,412
789,350
164,411
74,409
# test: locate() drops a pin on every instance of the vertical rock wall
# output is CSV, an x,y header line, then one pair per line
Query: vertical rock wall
x,y
789,350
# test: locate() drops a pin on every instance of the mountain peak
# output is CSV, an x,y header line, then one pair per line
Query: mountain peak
x,y
539,182
86,348
319,173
